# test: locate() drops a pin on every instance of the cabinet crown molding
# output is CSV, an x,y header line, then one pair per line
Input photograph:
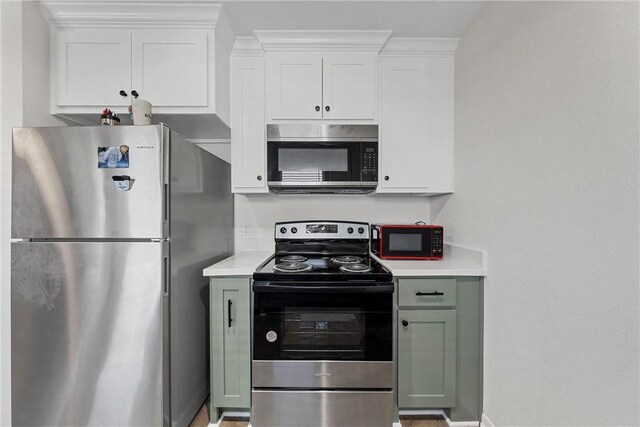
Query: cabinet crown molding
x,y
247,46
417,46
138,14
322,39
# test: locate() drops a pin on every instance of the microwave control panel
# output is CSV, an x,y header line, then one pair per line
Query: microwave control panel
x,y
369,165
437,241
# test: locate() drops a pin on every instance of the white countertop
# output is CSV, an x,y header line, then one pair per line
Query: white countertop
x,y
240,264
457,261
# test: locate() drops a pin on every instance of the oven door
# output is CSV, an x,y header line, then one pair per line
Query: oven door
x,y
334,322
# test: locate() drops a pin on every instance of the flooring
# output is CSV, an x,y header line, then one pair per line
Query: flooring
x,y
202,420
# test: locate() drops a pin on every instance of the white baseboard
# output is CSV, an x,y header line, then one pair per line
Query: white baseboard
x,y
441,413
460,423
486,422
227,414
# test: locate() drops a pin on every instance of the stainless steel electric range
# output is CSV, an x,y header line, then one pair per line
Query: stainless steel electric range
x,y
322,330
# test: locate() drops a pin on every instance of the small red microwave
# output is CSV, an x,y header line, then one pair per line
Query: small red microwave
x,y
412,242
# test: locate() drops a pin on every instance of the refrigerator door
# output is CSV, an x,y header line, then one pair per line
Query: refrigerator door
x,y
87,339
89,182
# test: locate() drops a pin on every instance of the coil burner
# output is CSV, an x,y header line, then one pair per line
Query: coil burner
x,y
293,258
347,259
355,268
292,267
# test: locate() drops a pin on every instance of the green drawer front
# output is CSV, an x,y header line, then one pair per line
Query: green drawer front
x,y
423,292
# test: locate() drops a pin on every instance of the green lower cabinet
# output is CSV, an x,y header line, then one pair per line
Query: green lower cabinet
x,y
230,343
426,358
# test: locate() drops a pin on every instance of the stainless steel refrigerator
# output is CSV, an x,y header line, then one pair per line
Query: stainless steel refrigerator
x,y
111,229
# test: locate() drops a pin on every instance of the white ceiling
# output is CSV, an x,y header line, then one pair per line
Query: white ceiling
x,y
404,18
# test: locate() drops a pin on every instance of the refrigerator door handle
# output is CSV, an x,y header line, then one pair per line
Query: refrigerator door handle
x,y
165,276
166,202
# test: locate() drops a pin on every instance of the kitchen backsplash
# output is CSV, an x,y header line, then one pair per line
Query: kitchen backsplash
x,y
256,214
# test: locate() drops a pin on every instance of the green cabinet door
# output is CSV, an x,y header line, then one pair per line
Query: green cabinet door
x,y
426,358
230,343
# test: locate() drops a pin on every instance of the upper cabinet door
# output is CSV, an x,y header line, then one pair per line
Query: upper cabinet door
x,y
248,145
350,86
294,89
92,67
170,68
416,125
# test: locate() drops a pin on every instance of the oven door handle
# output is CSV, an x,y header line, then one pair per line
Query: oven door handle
x,y
308,289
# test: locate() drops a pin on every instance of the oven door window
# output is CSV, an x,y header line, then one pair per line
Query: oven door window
x,y
319,331
322,327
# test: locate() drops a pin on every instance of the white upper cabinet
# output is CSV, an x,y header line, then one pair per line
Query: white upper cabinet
x,y
322,75
330,85
416,124
294,85
174,55
248,146
102,67
350,85
92,67
171,68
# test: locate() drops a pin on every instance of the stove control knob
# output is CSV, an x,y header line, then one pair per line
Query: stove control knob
x,y
283,230
350,230
294,230
360,230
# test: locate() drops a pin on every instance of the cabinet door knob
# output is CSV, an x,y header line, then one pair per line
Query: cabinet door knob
x,y
386,177
317,108
405,323
134,94
327,108
123,93
259,177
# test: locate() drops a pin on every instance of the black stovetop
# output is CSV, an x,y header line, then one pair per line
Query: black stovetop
x,y
322,269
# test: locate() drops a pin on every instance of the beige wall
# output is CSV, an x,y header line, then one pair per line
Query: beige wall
x,y
547,182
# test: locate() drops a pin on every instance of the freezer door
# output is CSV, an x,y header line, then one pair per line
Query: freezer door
x,y
70,182
87,340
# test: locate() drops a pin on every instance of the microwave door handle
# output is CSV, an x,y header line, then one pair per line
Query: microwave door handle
x,y
331,143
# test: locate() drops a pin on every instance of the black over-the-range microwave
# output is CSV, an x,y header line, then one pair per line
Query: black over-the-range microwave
x,y
322,158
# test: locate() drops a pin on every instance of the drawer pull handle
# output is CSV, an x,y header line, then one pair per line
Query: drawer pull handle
x,y
229,303
405,323
435,293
